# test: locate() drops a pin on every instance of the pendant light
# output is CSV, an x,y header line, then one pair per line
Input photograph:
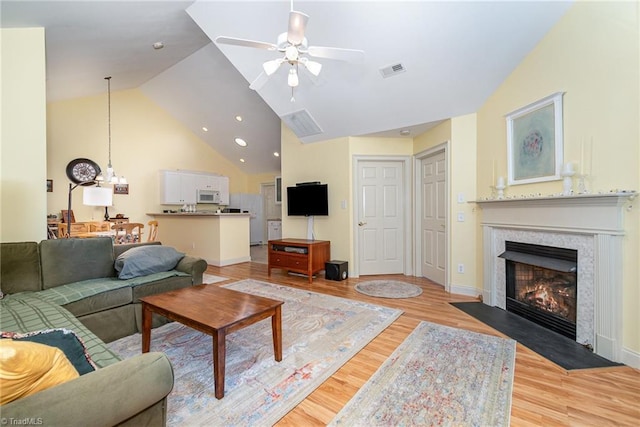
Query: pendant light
x,y
111,177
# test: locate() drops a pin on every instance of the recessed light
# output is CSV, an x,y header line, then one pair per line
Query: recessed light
x,y
241,160
239,118
241,142
276,154
158,45
205,129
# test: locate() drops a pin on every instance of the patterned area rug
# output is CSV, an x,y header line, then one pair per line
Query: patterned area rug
x,y
388,289
319,334
438,376
210,278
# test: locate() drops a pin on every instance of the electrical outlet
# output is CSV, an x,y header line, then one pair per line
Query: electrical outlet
x,y
460,268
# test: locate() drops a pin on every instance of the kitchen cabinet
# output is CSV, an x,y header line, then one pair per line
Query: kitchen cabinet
x,y
177,188
180,187
274,229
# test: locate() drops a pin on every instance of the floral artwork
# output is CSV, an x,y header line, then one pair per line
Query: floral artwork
x,y
534,141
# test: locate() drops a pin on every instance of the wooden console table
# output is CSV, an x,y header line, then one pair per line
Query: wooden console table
x,y
299,255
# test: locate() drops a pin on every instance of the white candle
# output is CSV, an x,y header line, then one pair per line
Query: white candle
x,y
568,168
500,181
493,170
582,157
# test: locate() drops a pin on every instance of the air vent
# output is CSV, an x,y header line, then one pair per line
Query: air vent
x,y
302,124
392,70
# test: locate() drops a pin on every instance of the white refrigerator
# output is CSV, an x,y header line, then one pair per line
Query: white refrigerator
x,y
253,204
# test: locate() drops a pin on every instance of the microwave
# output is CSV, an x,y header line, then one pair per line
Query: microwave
x,y
208,196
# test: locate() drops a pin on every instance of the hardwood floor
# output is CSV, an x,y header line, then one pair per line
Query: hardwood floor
x,y
543,393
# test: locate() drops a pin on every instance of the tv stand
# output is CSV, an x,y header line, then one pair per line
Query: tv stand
x,y
299,255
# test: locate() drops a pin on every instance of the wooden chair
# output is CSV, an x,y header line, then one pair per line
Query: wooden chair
x,y
153,231
76,228
127,232
99,226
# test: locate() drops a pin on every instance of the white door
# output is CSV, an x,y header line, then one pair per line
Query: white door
x,y
434,214
380,217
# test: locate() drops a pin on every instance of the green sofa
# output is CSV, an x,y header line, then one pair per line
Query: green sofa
x,y
72,284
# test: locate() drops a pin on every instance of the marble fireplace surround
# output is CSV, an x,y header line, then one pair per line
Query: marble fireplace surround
x,y
592,225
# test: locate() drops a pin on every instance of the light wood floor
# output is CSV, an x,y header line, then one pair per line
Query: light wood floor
x,y
543,393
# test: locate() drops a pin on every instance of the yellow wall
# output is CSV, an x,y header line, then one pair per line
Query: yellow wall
x,y
331,163
23,164
145,139
592,54
460,133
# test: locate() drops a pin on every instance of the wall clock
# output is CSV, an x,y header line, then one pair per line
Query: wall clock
x,y
83,171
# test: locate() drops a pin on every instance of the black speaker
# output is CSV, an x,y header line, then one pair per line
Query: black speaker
x,y
336,270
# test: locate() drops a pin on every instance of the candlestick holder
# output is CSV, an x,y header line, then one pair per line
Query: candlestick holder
x,y
500,191
582,184
567,182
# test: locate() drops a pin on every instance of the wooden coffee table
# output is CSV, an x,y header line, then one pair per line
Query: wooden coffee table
x,y
215,311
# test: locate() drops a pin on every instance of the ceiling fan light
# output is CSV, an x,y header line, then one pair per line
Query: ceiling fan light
x,y
313,67
291,52
297,24
292,80
272,66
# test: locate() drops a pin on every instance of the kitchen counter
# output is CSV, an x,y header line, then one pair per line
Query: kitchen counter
x,y
219,238
201,213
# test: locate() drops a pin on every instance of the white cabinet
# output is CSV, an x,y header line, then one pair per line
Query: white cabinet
x,y
177,188
274,229
180,187
223,188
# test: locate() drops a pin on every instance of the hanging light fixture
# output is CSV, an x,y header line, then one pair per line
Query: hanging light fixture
x,y
111,177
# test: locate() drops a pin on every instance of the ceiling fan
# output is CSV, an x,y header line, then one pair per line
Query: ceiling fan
x,y
293,44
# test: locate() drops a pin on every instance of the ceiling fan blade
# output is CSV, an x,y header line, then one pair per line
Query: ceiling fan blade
x,y
349,55
245,43
297,26
259,81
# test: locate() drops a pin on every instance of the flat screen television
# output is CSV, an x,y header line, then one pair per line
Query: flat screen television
x,y
307,200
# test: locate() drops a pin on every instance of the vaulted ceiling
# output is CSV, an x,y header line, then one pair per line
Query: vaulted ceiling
x,y
453,55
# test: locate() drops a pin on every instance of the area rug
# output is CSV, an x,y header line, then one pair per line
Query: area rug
x,y
210,278
561,350
438,376
388,289
319,334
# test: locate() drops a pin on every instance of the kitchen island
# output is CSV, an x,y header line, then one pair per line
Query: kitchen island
x,y
219,238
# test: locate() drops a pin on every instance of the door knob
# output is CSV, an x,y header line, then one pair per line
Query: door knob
x,y
361,223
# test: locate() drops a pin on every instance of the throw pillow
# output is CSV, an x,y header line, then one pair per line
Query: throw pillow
x,y
66,340
27,368
144,260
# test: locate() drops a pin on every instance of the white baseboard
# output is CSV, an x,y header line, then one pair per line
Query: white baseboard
x,y
630,358
225,262
465,290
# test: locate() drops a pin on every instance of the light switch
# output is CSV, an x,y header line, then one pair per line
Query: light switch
x,y
460,197
460,216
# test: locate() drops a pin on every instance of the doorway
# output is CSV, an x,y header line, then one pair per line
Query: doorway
x,y
382,215
432,201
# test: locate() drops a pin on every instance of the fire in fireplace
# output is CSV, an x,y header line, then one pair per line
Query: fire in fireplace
x,y
542,285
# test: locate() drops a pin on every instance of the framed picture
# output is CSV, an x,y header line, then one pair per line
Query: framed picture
x,y
278,190
120,188
49,186
534,141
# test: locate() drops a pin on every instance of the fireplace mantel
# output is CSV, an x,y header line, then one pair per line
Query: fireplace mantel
x,y
594,225
589,212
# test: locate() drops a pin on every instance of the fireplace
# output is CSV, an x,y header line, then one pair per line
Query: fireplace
x,y
541,285
592,225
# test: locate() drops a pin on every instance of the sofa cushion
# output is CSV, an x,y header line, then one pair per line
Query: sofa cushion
x,y
64,339
26,312
28,367
74,260
144,260
19,267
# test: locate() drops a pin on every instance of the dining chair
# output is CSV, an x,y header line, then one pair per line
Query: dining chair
x,y
153,231
127,232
